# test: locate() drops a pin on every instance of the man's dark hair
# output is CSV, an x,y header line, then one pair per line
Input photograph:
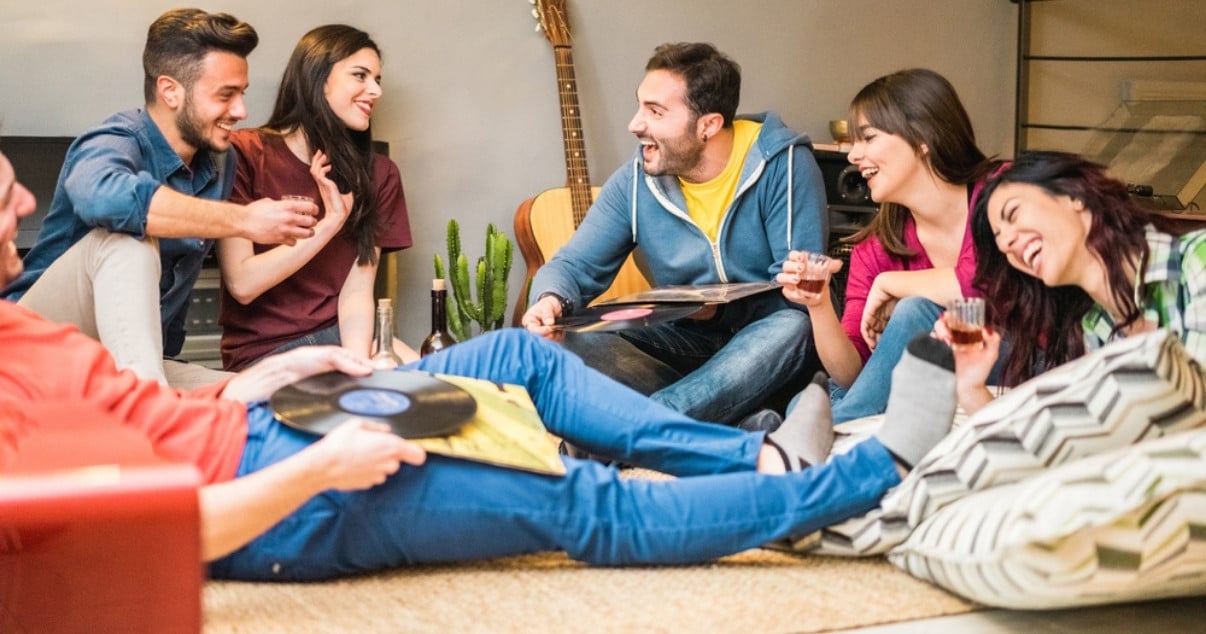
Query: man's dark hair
x,y
713,80
178,40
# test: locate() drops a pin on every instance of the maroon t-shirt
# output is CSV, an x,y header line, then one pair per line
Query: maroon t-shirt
x,y
308,300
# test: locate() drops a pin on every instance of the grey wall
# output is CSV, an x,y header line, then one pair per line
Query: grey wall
x,y
471,110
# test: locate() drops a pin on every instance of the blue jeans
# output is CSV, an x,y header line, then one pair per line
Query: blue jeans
x,y
706,372
868,395
454,510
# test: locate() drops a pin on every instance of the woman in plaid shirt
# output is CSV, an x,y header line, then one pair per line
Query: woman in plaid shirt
x,y
1070,261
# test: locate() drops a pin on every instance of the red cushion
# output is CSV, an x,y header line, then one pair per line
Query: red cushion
x,y
96,532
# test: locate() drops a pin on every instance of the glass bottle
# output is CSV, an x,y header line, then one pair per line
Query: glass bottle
x,y
384,357
439,338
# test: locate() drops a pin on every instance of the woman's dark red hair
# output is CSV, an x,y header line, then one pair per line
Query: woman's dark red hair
x,y
1043,324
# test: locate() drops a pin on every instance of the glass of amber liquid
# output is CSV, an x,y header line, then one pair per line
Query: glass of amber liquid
x,y
815,275
965,321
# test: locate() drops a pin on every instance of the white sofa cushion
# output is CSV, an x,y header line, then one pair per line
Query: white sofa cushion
x,y
1133,390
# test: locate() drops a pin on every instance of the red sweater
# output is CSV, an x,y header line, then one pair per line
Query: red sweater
x,y
43,362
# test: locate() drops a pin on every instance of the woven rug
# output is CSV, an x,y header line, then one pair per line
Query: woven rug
x,y
755,591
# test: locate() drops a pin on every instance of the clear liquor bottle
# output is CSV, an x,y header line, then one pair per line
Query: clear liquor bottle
x,y
384,357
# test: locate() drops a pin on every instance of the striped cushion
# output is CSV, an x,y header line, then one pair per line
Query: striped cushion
x,y
1123,526
1132,390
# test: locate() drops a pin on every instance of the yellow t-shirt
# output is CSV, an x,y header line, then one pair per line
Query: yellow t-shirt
x,y
707,203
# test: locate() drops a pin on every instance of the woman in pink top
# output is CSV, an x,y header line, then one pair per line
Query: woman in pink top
x,y
914,145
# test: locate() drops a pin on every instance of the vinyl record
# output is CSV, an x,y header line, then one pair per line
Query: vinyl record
x,y
623,316
413,404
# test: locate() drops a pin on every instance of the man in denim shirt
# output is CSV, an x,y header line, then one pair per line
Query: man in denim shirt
x,y
140,199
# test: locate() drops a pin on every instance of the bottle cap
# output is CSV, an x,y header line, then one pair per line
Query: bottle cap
x,y
437,284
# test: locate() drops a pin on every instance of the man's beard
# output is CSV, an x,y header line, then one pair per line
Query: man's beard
x,y
190,127
679,155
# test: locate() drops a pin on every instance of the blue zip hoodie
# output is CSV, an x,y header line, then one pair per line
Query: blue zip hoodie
x,y
779,206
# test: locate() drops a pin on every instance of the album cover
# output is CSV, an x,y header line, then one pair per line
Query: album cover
x,y
506,430
696,293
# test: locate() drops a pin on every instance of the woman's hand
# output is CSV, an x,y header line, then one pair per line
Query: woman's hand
x,y
973,364
337,205
360,454
876,312
793,272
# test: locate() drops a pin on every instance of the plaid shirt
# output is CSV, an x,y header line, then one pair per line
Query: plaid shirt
x,y
1173,292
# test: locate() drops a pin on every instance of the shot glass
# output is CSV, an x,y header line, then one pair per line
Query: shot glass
x,y
815,275
965,321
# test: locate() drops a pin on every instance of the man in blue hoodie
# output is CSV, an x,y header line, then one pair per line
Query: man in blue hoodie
x,y
709,198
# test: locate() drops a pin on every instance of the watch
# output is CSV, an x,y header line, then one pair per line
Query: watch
x,y
567,307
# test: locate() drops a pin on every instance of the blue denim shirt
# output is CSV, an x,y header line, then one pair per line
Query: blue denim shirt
x,y
107,181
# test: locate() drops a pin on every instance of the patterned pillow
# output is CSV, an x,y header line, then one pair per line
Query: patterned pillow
x,y
1132,390
1122,526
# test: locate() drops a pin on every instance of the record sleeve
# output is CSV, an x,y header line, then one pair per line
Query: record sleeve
x,y
486,422
506,430
695,293
610,317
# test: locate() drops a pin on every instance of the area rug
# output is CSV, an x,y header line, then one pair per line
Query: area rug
x,y
755,591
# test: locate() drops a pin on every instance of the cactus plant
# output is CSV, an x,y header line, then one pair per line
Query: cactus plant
x,y
492,269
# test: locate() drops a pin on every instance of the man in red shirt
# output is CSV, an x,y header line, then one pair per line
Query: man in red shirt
x,y
281,504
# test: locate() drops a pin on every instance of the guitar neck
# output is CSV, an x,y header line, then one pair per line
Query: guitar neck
x,y
577,177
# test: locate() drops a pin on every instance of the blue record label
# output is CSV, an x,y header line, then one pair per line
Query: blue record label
x,y
373,402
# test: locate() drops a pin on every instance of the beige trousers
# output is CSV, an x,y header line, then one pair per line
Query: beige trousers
x,y
107,285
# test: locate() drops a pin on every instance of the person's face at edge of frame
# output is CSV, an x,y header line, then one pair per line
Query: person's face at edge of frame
x,y
665,125
887,162
16,202
214,103
1040,234
353,87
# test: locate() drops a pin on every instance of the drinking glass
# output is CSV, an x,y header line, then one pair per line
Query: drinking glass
x,y
815,275
965,321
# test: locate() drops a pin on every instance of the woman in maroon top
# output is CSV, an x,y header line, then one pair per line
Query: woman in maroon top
x,y
317,143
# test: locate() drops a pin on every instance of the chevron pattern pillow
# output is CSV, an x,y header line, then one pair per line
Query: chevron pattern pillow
x,y
1122,526
1136,389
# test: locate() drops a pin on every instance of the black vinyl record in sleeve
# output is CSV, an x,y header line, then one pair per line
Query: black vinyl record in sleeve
x,y
609,317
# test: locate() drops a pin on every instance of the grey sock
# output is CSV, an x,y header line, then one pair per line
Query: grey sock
x,y
766,420
806,435
921,406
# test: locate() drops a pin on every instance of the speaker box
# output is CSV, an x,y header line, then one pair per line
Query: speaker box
x,y
844,185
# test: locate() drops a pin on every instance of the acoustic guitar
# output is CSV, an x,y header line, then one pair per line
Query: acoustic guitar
x,y
544,224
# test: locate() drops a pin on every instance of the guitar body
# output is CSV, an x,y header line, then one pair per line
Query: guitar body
x,y
543,225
